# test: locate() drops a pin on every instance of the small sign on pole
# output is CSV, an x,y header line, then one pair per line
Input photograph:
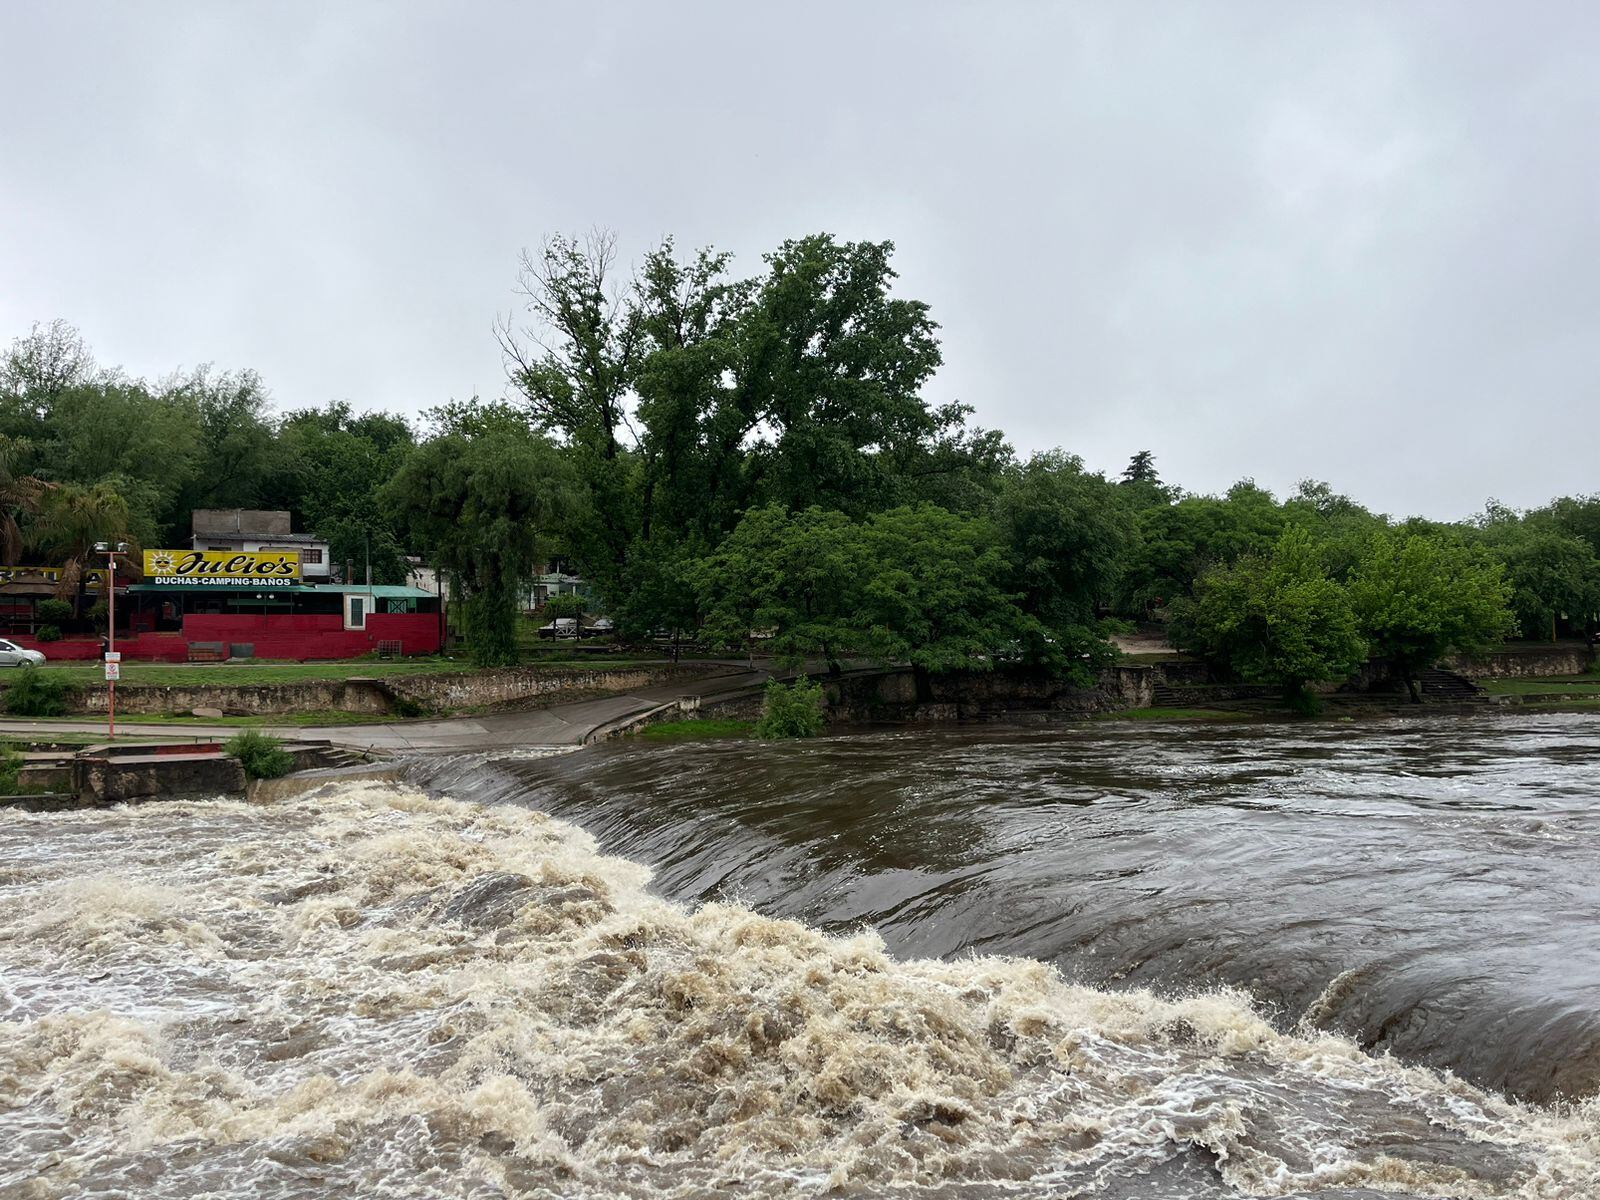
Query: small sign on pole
x,y
113,671
113,655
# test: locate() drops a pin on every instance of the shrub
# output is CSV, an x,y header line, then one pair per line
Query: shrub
x,y
10,769
791,711
564,605
261,756
405,706
34,695
54,612
98,611
48,633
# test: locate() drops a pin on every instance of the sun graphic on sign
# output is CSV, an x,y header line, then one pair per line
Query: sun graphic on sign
x,y
163,564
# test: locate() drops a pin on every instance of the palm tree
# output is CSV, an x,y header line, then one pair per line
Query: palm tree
x,y
71,520
19,494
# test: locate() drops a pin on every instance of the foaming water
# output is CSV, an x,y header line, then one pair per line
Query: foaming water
x,y
1426,886
373,991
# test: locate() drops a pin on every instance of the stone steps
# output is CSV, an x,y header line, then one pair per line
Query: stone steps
x,y
1439,685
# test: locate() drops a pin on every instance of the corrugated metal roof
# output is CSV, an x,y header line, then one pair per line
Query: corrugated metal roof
x,y
384,591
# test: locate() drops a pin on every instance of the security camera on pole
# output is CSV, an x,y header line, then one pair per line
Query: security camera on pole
x,y
113,660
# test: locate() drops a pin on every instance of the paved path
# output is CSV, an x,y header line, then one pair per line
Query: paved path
x,y
558,725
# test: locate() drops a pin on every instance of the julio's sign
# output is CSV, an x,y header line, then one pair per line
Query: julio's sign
x,y
223,568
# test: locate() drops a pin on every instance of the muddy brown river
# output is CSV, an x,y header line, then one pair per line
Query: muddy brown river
x,y
1121,961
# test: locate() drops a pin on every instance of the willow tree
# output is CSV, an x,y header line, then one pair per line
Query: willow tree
x,y
485,497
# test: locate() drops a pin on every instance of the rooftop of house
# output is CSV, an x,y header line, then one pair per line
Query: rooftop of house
x,y
253,524
223,521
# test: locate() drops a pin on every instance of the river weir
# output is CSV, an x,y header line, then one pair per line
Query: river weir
x,y
1125,962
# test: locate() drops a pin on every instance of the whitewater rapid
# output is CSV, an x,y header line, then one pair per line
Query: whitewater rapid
x,y
377,991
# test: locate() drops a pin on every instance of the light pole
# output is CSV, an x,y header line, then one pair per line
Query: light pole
x,y
113,660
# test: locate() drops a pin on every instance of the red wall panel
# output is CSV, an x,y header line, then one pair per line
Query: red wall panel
x,y
296,636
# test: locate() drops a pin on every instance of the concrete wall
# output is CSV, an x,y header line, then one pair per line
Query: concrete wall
x,y
871,697
442,692
1525,662
518,685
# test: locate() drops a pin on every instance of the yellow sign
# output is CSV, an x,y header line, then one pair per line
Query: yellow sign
x,y
223,568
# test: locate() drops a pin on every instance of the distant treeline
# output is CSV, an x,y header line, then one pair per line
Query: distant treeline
x,y
721,454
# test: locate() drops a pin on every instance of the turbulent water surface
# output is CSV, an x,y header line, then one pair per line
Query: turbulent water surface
x,y
1112,962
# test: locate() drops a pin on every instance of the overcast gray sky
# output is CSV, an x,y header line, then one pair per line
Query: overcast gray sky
x,y
1355,242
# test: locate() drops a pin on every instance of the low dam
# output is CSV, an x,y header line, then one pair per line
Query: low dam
x,y
1118,961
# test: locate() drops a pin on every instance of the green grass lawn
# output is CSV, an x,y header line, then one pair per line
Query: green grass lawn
x,y
191,674
1541,687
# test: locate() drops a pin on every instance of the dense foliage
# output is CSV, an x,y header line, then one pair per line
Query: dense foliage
x,y
1277,619
29,693
486,496
261,755
753,462
792,710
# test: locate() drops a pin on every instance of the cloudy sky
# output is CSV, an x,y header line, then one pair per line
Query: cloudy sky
x,y
1355,242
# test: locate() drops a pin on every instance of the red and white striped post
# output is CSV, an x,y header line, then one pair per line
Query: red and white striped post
x,y
113,660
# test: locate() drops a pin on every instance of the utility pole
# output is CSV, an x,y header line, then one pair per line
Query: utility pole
x,y
113,660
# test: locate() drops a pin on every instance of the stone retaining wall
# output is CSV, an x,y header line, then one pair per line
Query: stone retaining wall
x,y
443,692
311,695
1525,662
892,696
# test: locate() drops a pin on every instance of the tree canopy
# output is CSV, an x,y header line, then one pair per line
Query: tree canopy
x,y
726,453
484,498
1419,598
1277,619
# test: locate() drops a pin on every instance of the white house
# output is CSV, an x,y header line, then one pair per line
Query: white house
x,y
259,529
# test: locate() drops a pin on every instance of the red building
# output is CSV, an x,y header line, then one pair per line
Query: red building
x,y
182,622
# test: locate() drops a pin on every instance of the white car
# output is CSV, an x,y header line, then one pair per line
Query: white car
x,y
13,655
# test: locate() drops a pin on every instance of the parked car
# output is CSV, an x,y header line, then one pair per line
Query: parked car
x,y
13,655
561,627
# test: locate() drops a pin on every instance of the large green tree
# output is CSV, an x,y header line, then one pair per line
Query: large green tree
x,y
792,577
1418,598
484,497
1179,542
933,596
691,396
1068,536
332,465
240,459
1551,574
1276,619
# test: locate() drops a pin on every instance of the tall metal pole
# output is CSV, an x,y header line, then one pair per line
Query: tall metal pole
x,y
111,641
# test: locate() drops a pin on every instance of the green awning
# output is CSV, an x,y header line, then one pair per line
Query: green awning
x,y
378,591
218,589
